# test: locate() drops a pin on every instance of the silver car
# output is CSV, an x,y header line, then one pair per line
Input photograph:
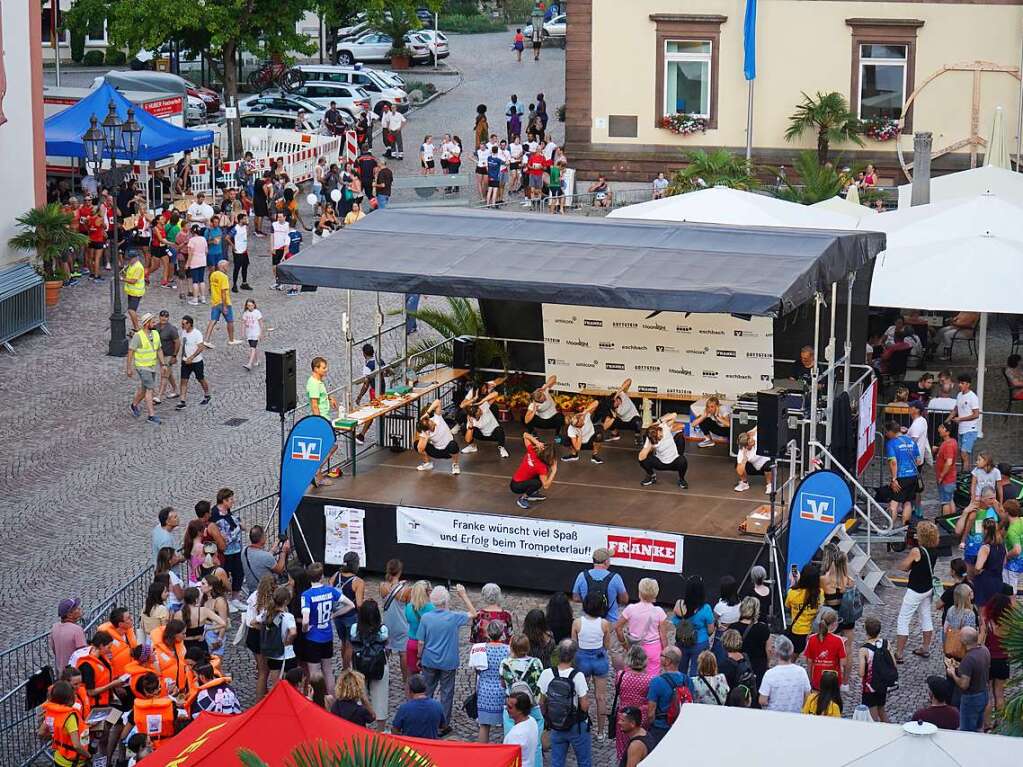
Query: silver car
x,y
376,46
381,88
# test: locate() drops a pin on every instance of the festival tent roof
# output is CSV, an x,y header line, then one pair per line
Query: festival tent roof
x,y
846,208
706,735
159,139
721,205
283,720
647,265
969,183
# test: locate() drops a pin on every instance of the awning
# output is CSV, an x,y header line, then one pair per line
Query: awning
x,y
584,261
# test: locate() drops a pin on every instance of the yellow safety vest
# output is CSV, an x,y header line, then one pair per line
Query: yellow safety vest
x,y
145,355
135,272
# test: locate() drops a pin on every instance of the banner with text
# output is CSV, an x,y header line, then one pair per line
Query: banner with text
x,y
662,352
545,538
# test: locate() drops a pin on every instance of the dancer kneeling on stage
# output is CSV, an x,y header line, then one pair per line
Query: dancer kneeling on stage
x,y
663,451
583,435
748,462
713,423
477,394
535,473
435,439
542,412
481,424
619,412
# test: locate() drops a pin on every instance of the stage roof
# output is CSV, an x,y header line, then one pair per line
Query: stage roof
x,y
618,263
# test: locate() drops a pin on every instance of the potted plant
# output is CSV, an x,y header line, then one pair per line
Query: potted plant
x,y
46,231
400,57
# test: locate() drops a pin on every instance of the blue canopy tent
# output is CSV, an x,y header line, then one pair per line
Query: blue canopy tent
x,y
159,139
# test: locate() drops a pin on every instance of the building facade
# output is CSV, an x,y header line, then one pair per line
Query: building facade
x,y
654,58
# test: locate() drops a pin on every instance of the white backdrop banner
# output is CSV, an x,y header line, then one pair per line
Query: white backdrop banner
x,y
668,353
544,538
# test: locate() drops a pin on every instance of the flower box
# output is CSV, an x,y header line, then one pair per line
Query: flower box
x,y
881,130
684,124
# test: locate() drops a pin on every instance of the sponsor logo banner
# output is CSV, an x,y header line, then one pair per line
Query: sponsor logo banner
x,y
544,538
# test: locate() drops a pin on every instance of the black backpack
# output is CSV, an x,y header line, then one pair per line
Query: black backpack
x,y
599,587
271,643
562,709
369,656
745,675
883,673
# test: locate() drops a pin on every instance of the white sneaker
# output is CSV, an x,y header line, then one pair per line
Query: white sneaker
x,y
742,487
235,342
470,449
706,442
768,488
425,466
456,428
502,452
455,469
208,345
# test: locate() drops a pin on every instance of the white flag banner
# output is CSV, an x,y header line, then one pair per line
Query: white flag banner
x,y
544,538
662,352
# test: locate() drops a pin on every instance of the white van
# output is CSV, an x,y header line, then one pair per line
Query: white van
x,y
381,89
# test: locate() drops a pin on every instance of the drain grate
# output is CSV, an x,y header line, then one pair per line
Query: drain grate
x,y
235,421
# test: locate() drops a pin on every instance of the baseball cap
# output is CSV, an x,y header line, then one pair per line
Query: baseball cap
x,y
918,404
66,606
600,556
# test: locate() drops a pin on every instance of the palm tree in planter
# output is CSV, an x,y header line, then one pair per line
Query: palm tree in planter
x,y
817,182
719,167
364,753
462,318
829,117
1010,719
46,231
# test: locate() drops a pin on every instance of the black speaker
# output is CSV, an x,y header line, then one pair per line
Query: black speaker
x,y
773,432
280,381
463,353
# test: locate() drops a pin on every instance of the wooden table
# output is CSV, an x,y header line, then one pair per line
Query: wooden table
x,y
425,385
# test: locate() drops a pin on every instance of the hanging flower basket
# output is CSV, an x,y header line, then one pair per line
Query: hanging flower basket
x,y
881,130
684,124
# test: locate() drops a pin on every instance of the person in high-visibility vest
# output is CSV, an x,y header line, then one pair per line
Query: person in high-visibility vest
x,y
64,727
169,653
134,278
154,714
212,692
82,705
94,663
142,662
144,353
121,629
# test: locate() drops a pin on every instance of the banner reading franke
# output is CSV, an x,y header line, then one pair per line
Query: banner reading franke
x,y
543,538
662,352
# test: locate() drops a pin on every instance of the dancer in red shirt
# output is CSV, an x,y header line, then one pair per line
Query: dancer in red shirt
x,y
535,473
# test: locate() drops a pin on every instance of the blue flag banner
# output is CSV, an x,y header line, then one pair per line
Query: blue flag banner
x,y
307,446
821,501
749,41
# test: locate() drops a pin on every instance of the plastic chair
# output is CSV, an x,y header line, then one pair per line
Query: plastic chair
x,y
1009,386
967,335
897,365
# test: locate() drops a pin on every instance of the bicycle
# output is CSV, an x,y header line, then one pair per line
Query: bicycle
x,y
276,73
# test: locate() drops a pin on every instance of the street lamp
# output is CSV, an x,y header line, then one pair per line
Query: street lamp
x,y
110,138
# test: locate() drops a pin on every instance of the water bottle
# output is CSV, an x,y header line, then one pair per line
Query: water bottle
x,y
862,714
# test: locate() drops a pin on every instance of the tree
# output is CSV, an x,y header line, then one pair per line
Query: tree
x,y
719,167
262,27
817,182
828,115
360,753
1010,719
336,14
462,318
46,231
396,18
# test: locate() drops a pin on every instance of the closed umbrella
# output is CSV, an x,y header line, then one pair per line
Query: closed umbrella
x,y
997,155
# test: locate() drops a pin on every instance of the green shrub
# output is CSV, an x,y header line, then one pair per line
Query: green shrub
x,y
93,59
115,56
470,25
461,7
77,45
427,89
517,11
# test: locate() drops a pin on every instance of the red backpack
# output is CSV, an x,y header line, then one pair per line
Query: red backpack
x,y
680,695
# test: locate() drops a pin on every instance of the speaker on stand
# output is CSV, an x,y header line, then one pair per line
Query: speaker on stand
x,y
281,395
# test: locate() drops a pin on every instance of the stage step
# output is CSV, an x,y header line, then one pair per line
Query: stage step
x,y
863,570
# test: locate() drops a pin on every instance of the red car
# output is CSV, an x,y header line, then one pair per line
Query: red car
x,y
208,97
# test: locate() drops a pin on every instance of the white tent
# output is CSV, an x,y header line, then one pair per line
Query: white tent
x,y
741,736
969,183
844,207
720,205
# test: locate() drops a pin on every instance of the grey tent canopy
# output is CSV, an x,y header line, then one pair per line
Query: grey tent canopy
x,y
620,263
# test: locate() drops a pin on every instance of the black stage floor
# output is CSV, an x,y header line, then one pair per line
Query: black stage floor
x,y
608,494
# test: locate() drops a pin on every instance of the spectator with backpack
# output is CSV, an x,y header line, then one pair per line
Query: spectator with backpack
x,y
694,623
566,708
668,692
600,578
277,632
785,684
438,646
877,670
369,657
736,664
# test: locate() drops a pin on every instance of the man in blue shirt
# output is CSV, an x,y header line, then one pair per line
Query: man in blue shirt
x,y
438,646
215,241
902,454
662,690
601,577
494,167
419,716
320,603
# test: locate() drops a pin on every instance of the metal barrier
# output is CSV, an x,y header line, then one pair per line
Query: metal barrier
x,y
22,303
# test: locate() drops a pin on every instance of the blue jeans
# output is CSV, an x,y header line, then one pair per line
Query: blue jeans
x,y
382,200
580,741
971,711
689,657
435,677
411,305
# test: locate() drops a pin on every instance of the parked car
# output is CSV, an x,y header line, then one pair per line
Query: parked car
x,y
349,98
209,97
195,110
380,88
434,39
376,46
553,30
272,118
274,100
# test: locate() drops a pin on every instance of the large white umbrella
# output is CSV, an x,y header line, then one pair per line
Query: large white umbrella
x,y
997,155
845,207
721,205
970,183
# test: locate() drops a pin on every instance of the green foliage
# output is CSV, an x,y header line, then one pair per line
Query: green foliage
x,y
397,17
427,89
361,753
719,167
472,24
828,116
115,56
77,44
517,11
339,13
1010,719
93,58
817,182
462,318
461,7
46,232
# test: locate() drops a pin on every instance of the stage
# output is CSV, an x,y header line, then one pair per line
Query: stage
x,y
609,496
